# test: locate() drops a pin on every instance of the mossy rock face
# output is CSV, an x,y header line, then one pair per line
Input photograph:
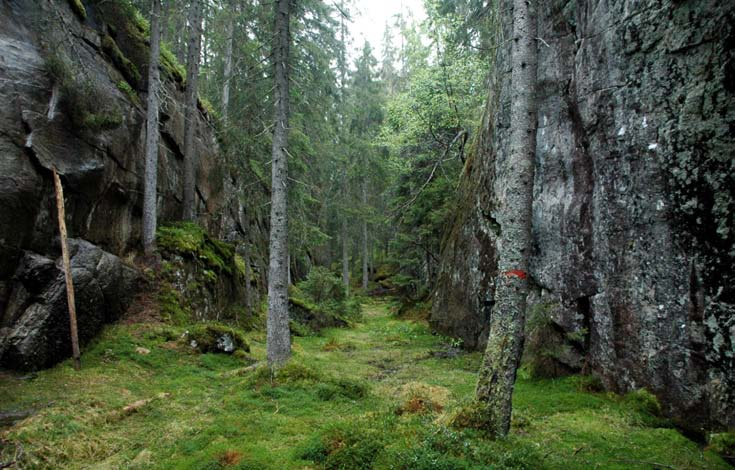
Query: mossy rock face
x,y
126,67
191,240
204,277
216,338
78,7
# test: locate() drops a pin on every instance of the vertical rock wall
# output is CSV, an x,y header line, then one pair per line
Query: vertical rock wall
x,y
634,200
73,88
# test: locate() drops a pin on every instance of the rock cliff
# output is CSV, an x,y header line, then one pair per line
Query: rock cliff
x,y
633,203
73,86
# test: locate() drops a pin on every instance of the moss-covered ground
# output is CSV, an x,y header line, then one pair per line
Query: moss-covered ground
x,y
378,395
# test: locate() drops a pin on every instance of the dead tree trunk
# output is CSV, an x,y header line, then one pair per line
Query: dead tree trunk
x,y
279,335
190,118
151,140
505,344
67,272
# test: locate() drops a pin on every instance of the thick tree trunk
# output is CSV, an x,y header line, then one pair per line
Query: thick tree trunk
x,y
364,236
230,36
279,336
505,344
151,141
190,118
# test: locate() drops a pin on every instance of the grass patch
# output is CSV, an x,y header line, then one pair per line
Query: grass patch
x,y
327,408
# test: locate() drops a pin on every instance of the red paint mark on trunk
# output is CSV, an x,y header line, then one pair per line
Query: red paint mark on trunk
x,y
516,273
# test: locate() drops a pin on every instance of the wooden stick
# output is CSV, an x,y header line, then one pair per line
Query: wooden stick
x,y
67,272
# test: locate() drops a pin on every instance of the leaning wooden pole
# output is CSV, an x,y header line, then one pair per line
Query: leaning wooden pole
x,y
67,272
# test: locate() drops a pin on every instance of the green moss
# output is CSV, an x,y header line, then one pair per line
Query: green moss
x,y
314,415
84,102
724,444
102,121
125,87
78,8
172,307
208,108
126,67
207,336
189,239
171,66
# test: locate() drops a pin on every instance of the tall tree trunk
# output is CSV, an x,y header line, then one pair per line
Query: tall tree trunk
x,y
230,34
151,141
505,344
345,257
248,275
342,63
279,336
190,118
364,234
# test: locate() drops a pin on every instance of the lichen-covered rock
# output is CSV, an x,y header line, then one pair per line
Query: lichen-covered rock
x,y
34,332
633,200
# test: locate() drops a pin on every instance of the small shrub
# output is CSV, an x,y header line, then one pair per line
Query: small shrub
x,y
322,285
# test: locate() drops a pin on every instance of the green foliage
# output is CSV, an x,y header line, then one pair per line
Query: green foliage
x,y
323,286
208,336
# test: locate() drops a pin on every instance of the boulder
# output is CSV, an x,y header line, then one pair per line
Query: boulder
x,y
34,332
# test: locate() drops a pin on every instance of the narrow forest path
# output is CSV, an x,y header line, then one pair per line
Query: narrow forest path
x,y
376,395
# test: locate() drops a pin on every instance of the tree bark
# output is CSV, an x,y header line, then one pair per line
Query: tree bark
x,y
230,33
190,118
505,344
248,275
365,276
279,336
345,257
67,272
151,140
